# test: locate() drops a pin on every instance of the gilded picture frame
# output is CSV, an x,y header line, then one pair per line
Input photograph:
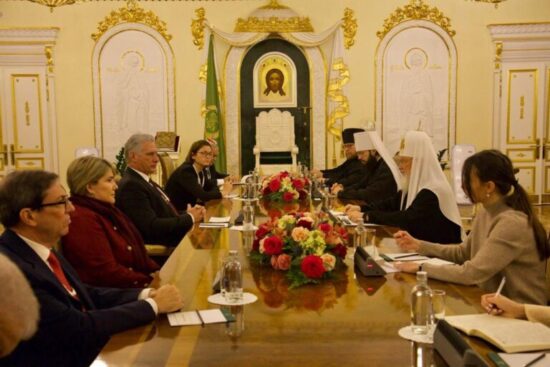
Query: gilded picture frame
x,y
274,81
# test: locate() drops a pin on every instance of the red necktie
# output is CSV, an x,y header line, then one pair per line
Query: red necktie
x,y
56,267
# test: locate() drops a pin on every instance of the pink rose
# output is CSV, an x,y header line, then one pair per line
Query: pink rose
x,y
283,261
329,261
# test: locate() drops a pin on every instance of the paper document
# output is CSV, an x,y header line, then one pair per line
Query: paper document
x,y
197,317
404,256
219,219
213,225
522,359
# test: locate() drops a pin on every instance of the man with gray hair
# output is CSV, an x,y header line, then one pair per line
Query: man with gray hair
x,y
145,202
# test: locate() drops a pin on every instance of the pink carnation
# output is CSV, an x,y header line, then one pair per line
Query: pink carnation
x,y
312,266
273,245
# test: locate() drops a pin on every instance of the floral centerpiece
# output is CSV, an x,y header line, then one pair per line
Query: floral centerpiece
x,y
307,247
285,187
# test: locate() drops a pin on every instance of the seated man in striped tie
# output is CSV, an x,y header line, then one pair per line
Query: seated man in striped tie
x,y
146,204
76,320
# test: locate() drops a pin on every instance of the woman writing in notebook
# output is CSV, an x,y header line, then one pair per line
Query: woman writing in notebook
x,y
506,239
190,183
503,306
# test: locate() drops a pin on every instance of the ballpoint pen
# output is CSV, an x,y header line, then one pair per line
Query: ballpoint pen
x,y
535,360
407,255
498,292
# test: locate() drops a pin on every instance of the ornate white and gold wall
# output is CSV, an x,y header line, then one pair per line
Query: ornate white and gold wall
x,y
74,46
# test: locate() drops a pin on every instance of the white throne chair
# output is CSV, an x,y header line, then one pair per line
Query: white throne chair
x,y
275,148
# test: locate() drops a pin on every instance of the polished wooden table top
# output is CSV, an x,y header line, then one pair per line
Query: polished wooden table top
x,y
347,321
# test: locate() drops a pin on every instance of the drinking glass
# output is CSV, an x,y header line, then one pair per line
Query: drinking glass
x,y
438,304
371,248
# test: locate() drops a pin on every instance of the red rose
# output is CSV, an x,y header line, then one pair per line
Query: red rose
x,y
325,227
274,185
273,245
266,191
339,250
303,194
298,184
312,266
288,196
304,223
283,174
262,231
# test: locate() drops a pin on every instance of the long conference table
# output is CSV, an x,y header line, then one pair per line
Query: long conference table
x,y
349,320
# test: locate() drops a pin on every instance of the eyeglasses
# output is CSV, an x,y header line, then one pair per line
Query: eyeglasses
x,y
206,154
65,201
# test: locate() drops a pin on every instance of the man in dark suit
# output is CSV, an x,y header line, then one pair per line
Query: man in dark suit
x,y
349,172
76,320
145,202
217,178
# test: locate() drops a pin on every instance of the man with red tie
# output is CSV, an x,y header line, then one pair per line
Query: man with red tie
x,y
145,202
76,320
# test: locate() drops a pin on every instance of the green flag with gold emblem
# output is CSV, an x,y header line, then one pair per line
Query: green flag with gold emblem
x,y
213,122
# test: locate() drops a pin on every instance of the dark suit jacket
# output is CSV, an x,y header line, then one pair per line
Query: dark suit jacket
x,y
183,187
422,219
68,336
154,218
377,184
214,175
349,172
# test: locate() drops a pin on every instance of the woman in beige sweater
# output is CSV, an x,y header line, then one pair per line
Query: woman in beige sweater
x,y
503,306
506,239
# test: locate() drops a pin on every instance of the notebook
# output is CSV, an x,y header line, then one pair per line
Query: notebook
x,y
510,335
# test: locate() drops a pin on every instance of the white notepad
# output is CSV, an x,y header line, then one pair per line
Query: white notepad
x,y
202,317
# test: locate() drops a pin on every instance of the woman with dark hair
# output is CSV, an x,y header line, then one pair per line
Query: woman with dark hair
x,y
506,240
189,183
274,79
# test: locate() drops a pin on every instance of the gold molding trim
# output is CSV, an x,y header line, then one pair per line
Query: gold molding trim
x,y
415,10
498,55
132,14
349,25
197,28
274,4
48,51
274,24
53,3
